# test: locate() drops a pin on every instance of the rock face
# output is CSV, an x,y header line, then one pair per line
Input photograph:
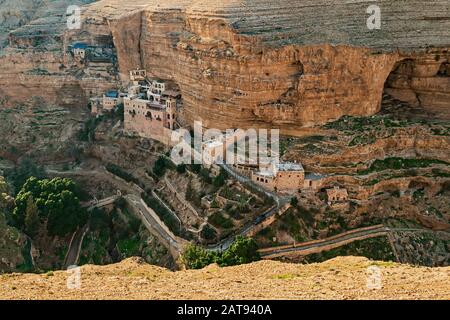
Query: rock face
x,y
285,64
43,92
423,83
280,63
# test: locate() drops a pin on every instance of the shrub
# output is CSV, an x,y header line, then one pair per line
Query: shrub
x,y
243,250
166,216
208,233
195,257
399,163
294,202
205,176
220,180
120,202
181,168
195,168
159,168
87,133
220,221
99,219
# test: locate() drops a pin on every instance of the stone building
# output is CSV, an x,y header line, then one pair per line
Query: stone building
x,y
336,194
281,177
150,108
111,99
138,75
215,150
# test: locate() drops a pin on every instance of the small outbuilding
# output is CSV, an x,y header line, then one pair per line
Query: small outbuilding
x,y
337,194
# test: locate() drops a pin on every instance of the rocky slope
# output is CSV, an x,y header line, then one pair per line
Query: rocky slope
x,y
340,278
13,245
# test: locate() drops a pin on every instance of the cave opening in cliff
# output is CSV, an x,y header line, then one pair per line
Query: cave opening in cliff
x,y
418,88
444,70
398,94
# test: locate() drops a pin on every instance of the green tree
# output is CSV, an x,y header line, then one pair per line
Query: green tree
x,y
294,202
26,169
243,250
205,175
181,168
220,180
196,168
159,168
31,217
208,233
57,201
195,257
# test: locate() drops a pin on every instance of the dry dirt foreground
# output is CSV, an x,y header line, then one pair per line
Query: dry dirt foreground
x,y
340,278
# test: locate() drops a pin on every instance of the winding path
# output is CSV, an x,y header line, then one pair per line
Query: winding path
x,y
155,226
317,246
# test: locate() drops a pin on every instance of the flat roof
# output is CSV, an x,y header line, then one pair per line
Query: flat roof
x,y
290,166
265,174
112,94
79,45
340,190
156,106
314,176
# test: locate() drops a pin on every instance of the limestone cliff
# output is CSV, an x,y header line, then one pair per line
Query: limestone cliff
x,y
285,64
43,92
281,63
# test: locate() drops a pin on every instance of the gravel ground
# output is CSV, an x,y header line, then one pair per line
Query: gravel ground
x,y
339,278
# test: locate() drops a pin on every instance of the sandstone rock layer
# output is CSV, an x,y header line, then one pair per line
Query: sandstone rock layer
x,y
280,63
286,64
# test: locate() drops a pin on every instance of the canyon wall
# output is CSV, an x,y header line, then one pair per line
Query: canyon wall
x,y
423,83
281,64
285,64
